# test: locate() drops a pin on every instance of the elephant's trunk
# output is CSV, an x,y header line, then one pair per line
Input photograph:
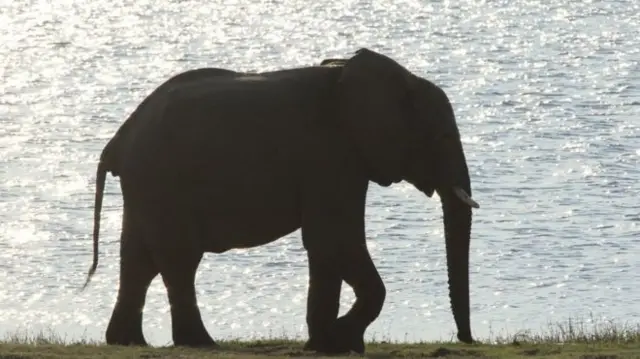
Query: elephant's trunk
x,y
457,229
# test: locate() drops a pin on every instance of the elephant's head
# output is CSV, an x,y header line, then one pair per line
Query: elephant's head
x,y
405,129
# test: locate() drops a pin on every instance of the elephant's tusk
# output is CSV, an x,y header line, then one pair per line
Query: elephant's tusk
x,y
464,197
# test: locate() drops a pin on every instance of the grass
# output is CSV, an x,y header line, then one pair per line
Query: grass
x,y
566,340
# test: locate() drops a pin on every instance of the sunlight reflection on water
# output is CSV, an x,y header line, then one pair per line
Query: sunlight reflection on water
x,y
547,97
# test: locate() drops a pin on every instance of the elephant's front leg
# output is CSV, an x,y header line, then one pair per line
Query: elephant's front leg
x,y
333,233
326,271
334,238
323,301
359,271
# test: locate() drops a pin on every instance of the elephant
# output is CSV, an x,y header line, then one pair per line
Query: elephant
x,y
216,159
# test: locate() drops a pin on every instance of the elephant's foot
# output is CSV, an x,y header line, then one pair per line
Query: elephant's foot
x,y
342,338
125,327
466,337
192,334
125,335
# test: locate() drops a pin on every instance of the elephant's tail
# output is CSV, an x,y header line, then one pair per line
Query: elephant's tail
x,y
101,176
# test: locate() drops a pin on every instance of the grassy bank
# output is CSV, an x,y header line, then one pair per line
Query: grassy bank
x,y
569,340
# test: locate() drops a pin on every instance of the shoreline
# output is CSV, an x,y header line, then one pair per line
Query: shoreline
x,y
562,340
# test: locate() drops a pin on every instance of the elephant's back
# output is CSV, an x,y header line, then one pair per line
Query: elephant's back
x,y
237,132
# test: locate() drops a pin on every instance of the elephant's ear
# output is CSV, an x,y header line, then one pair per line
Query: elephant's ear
x,y
375,96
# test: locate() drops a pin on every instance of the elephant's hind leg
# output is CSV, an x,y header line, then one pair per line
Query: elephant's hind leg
x,y
137,270
178,269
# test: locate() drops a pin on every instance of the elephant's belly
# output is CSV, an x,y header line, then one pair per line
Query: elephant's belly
x,y
253,224
227,204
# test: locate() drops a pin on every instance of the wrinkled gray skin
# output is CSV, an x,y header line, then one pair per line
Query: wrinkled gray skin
x,y
214,160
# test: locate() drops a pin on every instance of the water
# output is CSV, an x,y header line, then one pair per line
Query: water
x,y
548,100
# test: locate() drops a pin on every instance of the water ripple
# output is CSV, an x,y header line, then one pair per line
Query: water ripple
x,y
546,94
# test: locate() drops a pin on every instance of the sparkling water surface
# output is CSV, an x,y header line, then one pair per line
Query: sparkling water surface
x,y
547,95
